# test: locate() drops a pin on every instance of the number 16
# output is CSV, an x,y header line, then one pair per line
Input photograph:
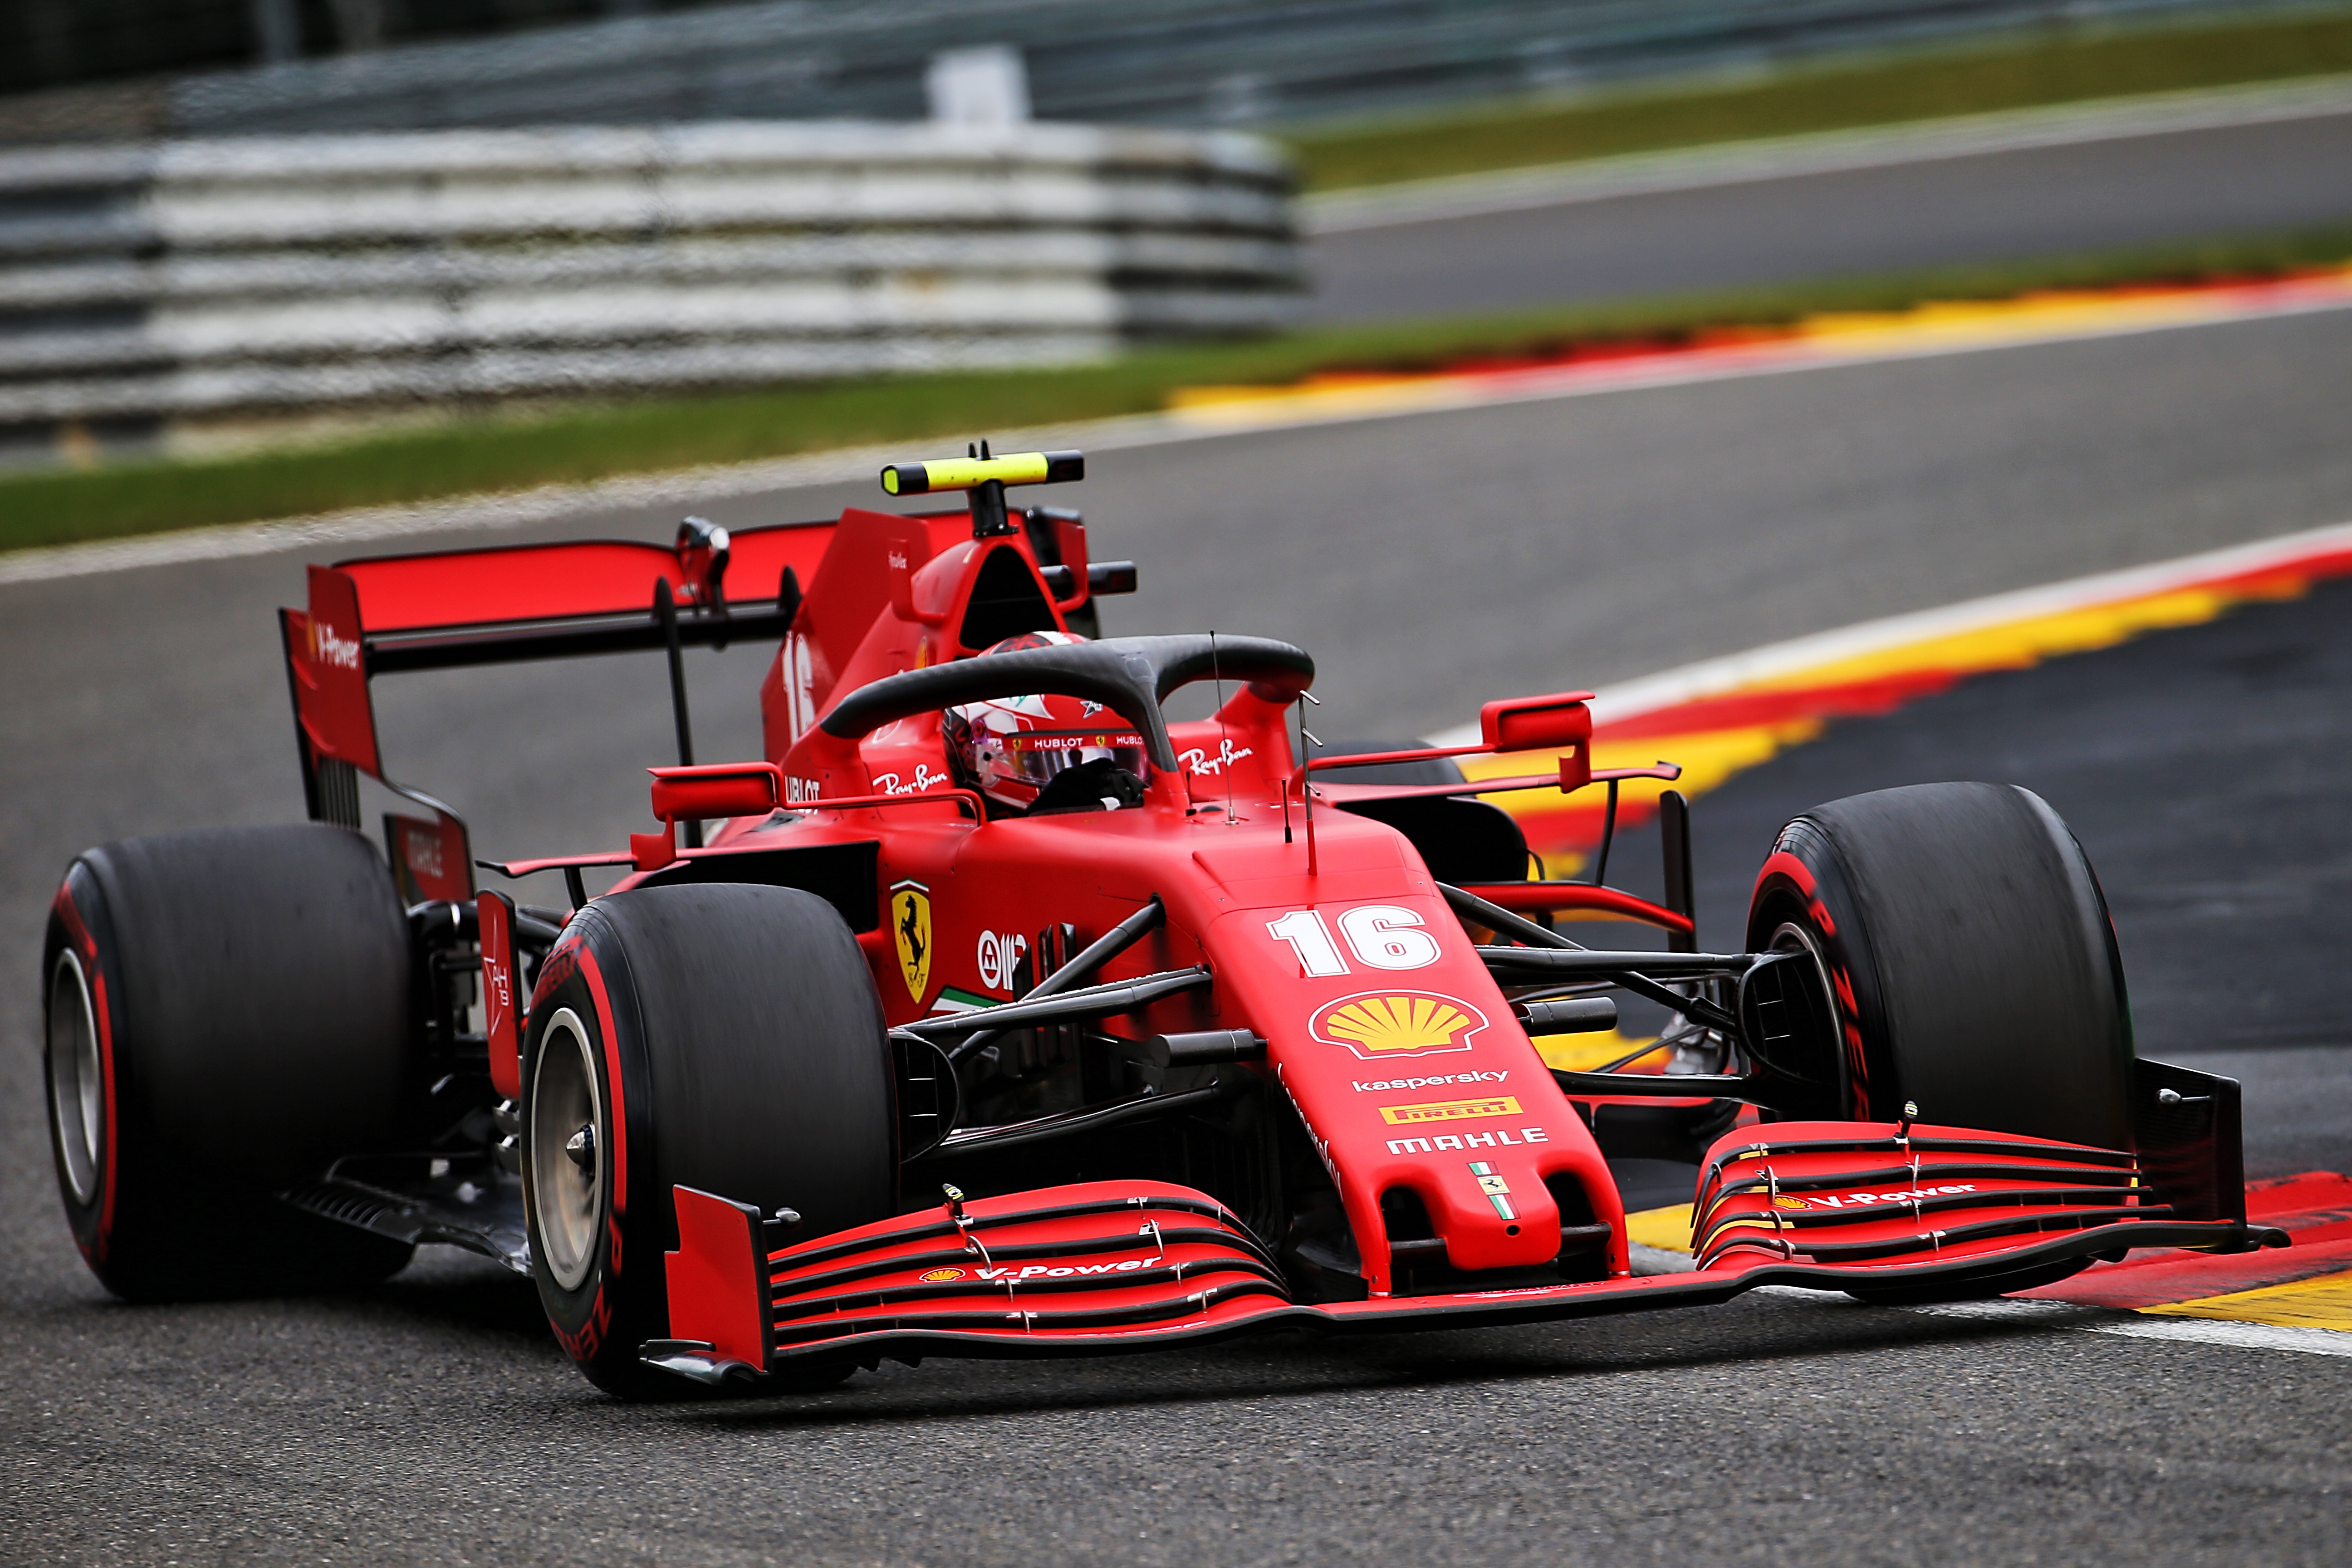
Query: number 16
x,y
1383,936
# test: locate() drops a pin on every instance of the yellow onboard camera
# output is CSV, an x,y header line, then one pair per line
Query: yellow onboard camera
x,y
985,477
970,473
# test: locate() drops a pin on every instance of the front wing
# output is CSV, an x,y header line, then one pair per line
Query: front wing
x,y
1106,1267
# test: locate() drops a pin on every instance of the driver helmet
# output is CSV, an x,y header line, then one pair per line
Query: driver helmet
x,y
1011,749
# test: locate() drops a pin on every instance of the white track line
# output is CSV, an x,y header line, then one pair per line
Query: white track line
x,y
2139,1326
1714,677
2214,1331
2035,1312
1822,152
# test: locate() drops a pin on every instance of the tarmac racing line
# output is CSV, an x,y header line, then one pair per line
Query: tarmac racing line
x,y
1983,188
1819,342
2191,720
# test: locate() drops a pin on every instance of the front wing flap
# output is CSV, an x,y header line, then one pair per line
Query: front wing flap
x,y
1110,1267
1099,1265
1846,1193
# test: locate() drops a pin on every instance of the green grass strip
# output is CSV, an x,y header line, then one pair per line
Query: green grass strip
x,y
2018,72
53,506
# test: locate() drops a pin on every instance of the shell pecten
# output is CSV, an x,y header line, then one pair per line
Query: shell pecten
x,y
1396,1023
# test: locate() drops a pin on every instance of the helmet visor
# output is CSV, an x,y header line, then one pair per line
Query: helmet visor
x,y
1035,757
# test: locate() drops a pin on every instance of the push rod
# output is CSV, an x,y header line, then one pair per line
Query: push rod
x,y
1658,1086
1495,917
1094,1118
1656,965
1639,973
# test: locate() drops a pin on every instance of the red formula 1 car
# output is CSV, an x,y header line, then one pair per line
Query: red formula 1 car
x,y
1004,1015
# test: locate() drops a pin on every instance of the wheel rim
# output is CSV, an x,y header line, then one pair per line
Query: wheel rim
x,y
567,1192
1794,936
76,1090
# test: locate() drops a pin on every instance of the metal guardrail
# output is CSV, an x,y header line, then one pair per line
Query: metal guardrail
x,y
207,277
1178,62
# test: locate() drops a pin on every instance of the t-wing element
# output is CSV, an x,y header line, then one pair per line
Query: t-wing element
x,y
1130,676
985,477
970,473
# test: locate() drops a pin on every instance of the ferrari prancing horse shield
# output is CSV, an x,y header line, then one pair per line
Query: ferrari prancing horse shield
x,y
910,922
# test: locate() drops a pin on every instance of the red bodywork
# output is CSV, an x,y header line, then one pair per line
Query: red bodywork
x,y
1324,932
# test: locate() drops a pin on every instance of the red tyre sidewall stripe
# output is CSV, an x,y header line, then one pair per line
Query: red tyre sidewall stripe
x,y
595,978
94,976
584,1343
1783,864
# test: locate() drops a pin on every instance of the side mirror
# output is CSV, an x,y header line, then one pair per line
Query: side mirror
x,y
715,790
1552,724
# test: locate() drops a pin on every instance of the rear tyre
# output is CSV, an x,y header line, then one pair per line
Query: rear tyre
x,y
1974,974
222,1012
716,1035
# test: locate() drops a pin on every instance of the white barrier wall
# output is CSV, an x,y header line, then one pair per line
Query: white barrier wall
x,y
273,274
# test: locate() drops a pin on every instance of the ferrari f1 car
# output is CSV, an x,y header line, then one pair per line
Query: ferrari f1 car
x,y
1002,1014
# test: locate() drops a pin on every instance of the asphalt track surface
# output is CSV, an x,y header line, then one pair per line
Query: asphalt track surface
x,y
2033,202
2204,770
1430,561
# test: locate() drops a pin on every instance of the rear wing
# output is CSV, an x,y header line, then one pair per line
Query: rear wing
x,y
456,609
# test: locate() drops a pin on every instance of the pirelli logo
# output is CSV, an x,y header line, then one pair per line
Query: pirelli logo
x,y
1449,1111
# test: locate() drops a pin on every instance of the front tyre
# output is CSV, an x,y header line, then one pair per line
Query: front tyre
x,y
1974,974
718,1036
1968,949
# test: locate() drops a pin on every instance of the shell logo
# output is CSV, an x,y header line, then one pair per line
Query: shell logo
x,y
1787,1202
1377,1024
941,1275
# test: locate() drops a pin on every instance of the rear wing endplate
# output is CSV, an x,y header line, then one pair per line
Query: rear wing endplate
x,y
457,609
